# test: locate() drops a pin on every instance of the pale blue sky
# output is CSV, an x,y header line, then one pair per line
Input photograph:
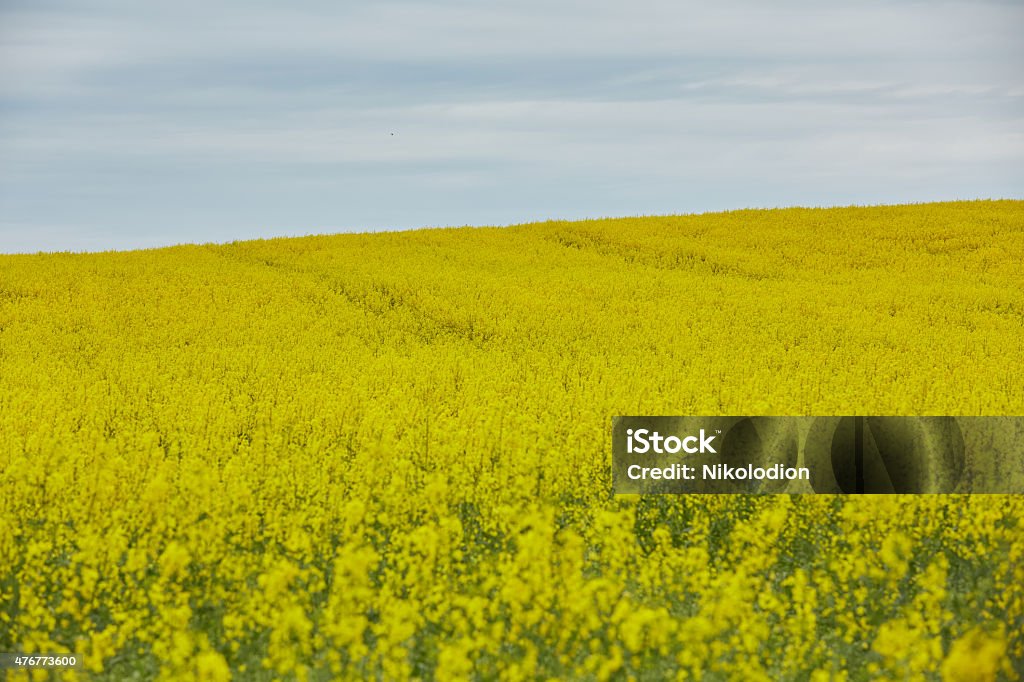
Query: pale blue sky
x,y
131,124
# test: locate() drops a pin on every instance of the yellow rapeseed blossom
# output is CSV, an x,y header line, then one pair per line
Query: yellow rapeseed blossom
x,y
387,456
976,657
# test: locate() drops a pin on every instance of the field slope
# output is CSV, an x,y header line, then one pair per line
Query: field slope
x,y
387,455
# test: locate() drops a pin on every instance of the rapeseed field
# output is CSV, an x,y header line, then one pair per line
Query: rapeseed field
x,y
387,456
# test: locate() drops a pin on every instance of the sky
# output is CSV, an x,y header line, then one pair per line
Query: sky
x,y
127,124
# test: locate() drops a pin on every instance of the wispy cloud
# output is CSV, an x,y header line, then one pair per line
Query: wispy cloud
x,y
127,124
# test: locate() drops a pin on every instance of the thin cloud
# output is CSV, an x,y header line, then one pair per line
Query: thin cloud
x,y
124,124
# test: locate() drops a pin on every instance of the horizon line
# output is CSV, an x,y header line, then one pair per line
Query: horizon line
x,y
466,226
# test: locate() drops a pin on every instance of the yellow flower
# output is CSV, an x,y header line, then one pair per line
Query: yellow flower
x,y
976,657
